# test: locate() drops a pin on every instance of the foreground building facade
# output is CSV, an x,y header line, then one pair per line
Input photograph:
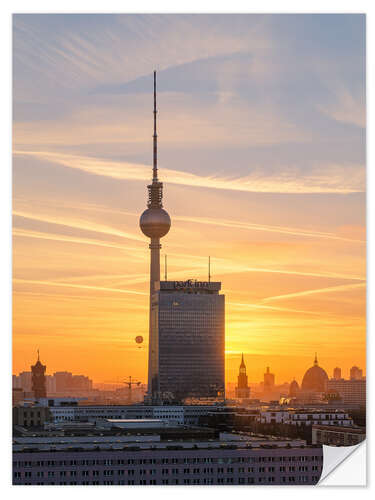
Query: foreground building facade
x,y
174,466
337,436
187,414
305,417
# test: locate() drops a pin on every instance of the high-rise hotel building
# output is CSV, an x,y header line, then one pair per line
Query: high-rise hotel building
x,y
191,340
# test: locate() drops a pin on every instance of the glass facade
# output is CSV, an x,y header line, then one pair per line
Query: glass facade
x,y
191,334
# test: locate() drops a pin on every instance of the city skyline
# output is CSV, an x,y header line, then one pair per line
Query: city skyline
x,y
260,381
267,182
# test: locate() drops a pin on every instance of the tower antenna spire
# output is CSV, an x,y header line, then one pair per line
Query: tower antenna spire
x,y
209,269
155,139
38,354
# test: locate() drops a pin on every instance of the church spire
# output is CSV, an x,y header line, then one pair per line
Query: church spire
x,y
242,389
316,360
242,365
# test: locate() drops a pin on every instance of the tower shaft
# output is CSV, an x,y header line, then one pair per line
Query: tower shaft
x,y
153,349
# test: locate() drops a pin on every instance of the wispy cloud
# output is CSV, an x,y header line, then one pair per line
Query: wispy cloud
x,y
326,179
74,285
262,227
78,223
347,109
331,289
250,306
223,266
26,233
230,223
119,49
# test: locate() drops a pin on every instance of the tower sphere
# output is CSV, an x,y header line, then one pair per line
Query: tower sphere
x,y
155,222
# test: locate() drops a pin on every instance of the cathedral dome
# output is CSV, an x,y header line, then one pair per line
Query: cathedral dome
x,y
315,379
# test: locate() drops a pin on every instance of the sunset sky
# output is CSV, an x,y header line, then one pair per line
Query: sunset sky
x,y
261,130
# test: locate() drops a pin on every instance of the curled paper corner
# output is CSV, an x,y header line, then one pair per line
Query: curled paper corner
x,y
344,465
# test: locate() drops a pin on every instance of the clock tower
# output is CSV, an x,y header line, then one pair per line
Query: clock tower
x,y
38,379
242,389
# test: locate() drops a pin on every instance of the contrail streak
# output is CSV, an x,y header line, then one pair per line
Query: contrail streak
x,y
331,289
273,308
69,239
262,227
79,224
71,285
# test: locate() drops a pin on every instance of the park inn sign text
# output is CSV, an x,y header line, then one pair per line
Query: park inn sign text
x,y
191,284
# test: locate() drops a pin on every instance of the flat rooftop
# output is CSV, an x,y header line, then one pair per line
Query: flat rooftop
x,y
135,420
303,410
190,286
339,428
154,445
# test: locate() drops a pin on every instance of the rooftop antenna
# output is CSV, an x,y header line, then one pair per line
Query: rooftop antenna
x,y
155,138
209,269
165,268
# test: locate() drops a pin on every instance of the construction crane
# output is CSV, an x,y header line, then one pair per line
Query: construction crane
x,y
130,384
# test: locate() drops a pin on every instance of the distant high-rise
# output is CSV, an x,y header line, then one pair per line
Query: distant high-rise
x,y
191,340
25,381
63,381
16,382
356,373
38,379
350,391
337,373
154,223
81,383
269,380
50,384
242,389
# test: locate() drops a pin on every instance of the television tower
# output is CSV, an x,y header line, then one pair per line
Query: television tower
x,y
154,223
